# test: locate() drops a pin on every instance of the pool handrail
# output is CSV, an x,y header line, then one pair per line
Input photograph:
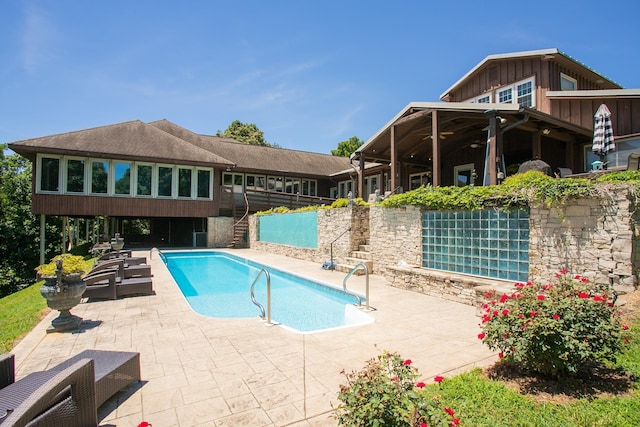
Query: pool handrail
x,y
344,284
253,297
162,255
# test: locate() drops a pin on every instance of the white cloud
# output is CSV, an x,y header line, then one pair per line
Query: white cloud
x,y
37,39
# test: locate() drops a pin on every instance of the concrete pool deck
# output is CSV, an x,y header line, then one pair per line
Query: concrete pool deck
x,y
233,372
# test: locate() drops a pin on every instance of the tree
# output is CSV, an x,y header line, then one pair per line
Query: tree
x,y
247,133
348,147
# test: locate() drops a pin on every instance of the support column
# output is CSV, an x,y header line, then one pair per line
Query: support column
x,y
42,238
65,223
361,179
394,155
493,150
435,147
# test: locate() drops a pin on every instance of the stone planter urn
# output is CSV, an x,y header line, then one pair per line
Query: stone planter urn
x,y
63,291
117,243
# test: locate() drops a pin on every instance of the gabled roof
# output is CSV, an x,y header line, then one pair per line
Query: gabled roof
x,y
259,158
132,140
548,54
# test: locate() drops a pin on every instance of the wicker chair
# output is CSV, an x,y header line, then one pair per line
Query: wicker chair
x,y
47,392
52,398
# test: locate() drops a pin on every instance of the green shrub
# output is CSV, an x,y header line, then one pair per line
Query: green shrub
x,y
385,393
70,264
554,328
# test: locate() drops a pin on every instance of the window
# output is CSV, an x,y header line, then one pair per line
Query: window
x,y
275,183
525,94
344,188
99,176
165,181
370,184
204,184
122,178
463,174
144,179
505,96
255,182
49,174
184,182
482,99
523,90
568,83
313,187
417,180
75,176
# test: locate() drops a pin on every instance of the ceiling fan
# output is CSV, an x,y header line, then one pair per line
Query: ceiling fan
x,y
443,135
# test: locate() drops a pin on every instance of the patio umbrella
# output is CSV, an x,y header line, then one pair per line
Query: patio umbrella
x,y
602,132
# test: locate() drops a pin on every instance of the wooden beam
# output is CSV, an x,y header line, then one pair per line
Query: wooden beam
x,y
412,117
394,155
435,147
493,150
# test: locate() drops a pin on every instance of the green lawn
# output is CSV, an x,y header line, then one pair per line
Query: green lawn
x,y
19,313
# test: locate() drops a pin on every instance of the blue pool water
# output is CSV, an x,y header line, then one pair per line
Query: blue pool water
x,y
217,284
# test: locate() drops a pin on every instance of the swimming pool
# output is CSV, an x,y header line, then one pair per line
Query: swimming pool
x,y
217,284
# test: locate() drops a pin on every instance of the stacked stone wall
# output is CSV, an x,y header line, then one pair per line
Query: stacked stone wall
x,y
219,231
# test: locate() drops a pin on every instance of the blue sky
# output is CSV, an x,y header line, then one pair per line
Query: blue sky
x,y
308,73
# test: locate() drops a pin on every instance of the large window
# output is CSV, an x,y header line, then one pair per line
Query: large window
x,y
255,182
525,94
165,181
144,178
417,180
113,177
204,184
75,176
122,173
184,182
99,177
49,174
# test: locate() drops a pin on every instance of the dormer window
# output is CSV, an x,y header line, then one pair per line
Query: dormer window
x,y
568,83
518,93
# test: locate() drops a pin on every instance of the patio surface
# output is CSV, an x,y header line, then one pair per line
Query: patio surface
x,y
233,372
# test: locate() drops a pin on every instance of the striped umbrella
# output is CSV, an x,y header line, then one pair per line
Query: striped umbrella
x,y
602,132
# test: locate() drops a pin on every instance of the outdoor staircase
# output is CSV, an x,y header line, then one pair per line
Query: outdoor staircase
x,y
362,255
240,230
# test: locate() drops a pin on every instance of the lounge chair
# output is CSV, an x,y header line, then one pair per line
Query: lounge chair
x,y
94,377
107,285
124,255
123,269
52,398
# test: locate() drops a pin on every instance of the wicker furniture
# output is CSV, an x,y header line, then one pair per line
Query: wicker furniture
x,y
47,391
114,370
107,285
52,398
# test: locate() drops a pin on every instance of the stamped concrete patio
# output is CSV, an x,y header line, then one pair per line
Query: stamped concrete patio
x,y
227,372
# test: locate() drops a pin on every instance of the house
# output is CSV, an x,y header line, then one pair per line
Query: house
x,y
506,110
169,176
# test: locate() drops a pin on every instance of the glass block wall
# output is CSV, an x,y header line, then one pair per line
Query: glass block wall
x,y
486,243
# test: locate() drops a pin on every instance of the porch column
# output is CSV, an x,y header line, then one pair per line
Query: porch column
x,y
361,187
65,224
536,145
493,150
42,238
435,147
394,155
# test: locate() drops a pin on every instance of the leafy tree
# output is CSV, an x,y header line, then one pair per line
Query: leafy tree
x,y
247,133
19,228
348,147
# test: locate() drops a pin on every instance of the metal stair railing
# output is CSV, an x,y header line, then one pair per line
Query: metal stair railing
x,y
344,285
253,296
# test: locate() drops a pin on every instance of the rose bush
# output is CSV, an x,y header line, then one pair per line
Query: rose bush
x,y
553,328
386,393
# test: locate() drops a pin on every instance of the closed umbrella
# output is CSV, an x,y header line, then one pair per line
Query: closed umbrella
x,y
602,132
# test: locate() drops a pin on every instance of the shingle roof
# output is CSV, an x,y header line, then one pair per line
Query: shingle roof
x,y
259,158
132,140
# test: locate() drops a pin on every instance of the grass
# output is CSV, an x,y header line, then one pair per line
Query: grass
x,y
19,313
477,400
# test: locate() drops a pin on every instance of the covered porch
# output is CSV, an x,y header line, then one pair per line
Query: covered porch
x,y
476,144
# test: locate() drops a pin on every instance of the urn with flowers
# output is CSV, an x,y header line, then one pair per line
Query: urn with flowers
x,y
63,288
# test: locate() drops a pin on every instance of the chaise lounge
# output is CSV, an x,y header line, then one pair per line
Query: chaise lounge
x,y
67,394
107,285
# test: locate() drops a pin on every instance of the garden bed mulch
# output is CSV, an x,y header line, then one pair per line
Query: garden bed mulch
x,y
592,382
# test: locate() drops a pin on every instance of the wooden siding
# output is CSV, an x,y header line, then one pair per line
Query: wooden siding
x,y
70,205
625,113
